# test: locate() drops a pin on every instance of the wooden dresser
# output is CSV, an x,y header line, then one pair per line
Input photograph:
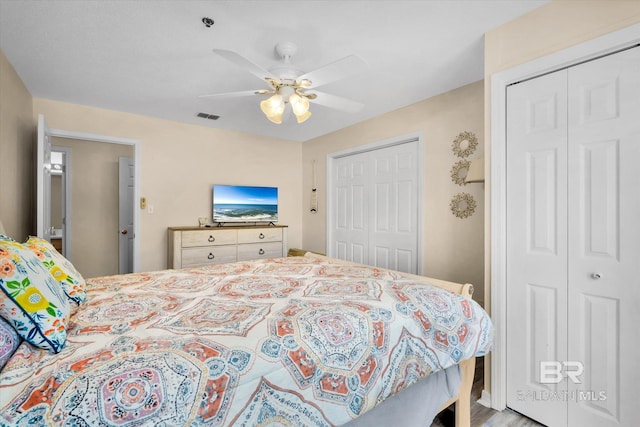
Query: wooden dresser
x,y
197,246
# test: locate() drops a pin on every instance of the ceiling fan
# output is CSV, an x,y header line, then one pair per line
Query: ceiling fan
x,y
292,87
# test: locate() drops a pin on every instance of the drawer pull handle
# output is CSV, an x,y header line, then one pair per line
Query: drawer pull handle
x,y
212,239
261,251
211,256
261,236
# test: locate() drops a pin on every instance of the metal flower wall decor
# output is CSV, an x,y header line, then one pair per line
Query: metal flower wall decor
x,y
465,144
463,205
459,172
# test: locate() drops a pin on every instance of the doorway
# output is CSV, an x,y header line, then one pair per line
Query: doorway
x,y
94,187
84,195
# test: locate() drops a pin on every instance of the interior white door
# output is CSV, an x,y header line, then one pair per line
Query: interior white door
x,y
375,207
536,244
604,239
43,180
573,243
393,234
350,234
126,184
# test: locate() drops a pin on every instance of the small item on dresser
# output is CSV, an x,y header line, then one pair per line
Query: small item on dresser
x,y
202,221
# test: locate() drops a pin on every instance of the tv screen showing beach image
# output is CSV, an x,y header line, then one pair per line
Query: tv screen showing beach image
x,y
237,203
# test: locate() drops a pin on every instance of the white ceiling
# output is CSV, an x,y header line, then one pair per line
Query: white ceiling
x,y
155,57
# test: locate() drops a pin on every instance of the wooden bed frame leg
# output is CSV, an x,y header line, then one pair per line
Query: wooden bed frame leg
x,y
463,404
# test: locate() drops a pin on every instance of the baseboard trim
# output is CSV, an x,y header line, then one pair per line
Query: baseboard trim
x,y
485,399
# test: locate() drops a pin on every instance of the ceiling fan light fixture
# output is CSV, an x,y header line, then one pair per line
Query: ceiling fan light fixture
x,y
299,104
277,118
289,85
273,106
302,117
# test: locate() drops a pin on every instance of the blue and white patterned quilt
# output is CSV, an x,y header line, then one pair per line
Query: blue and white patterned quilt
x,y
289,341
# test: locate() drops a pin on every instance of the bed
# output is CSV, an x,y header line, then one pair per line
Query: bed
x,y
300,341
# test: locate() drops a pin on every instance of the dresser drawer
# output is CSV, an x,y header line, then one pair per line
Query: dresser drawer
x,y
196,257
208,238
259,250
260,235
198,246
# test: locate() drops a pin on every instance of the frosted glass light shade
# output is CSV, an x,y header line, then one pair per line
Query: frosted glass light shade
x,y
299,105
276,118
273,106
302,117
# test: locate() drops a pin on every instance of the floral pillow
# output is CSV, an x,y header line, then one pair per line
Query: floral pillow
x,y
60,268
9,342
30,298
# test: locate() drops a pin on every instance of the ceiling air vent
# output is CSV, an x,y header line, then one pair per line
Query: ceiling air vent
x,y
208,116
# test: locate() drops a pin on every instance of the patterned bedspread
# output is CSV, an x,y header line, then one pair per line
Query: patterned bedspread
x,y
290,341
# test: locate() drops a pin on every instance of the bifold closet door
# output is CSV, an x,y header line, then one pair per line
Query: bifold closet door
x,y
375,207
573,244
537,244
604,239
350,233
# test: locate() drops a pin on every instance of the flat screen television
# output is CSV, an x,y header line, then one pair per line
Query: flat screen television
x,y
242,203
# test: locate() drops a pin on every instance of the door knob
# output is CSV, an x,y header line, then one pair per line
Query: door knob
x,y
595,276
124,231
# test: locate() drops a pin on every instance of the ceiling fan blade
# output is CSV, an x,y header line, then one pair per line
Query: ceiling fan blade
x,y
339,69
243,62
236,94
336,102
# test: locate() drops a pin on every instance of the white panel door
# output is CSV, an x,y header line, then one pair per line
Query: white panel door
x,y
350,208
394,209
604,239
536,244
43,180
375,207
573,244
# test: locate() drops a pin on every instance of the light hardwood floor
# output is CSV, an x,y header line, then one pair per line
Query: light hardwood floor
x,y
482,416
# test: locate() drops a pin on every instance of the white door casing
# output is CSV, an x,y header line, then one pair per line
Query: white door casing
x,y
126,188
43,180
374,195
573,142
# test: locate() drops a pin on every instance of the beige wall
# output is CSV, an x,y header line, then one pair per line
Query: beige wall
x,y
94,204
180,162
548,29
17,140
452,247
